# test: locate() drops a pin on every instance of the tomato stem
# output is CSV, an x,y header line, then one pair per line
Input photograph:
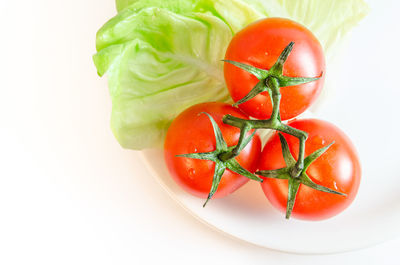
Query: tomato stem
x,y
273,86
271,81
240,146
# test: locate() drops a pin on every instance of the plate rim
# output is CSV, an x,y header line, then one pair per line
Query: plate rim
x,y
276,248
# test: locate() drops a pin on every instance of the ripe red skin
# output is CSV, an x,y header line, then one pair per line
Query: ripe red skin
x,y
193,133
260,45
338,169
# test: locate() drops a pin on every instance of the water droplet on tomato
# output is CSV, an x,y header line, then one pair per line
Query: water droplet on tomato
x,y
317,140
192,173
334,184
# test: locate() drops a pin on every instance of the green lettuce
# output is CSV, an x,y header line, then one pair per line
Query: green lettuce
x,y
329,20
162,56
159,63
235,13
177,6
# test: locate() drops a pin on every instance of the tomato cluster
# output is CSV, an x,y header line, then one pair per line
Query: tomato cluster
x,y
274,72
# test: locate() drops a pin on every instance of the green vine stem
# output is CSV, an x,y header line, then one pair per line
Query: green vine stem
x,y
274,124
271,81
224,157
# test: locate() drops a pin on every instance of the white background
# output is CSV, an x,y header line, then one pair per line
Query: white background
x,y
68,193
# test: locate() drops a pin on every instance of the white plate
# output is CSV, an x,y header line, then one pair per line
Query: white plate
x,y
362,99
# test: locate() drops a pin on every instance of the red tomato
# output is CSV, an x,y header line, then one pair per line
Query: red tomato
x,y
260,45
338,169
193,133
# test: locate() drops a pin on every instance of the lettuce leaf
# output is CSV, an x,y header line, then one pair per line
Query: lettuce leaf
x,y
176,6
162,56
159,63
329,20
235,13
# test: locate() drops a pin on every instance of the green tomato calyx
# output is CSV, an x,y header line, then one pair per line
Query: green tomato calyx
x,y
223,157
294,177
276,72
